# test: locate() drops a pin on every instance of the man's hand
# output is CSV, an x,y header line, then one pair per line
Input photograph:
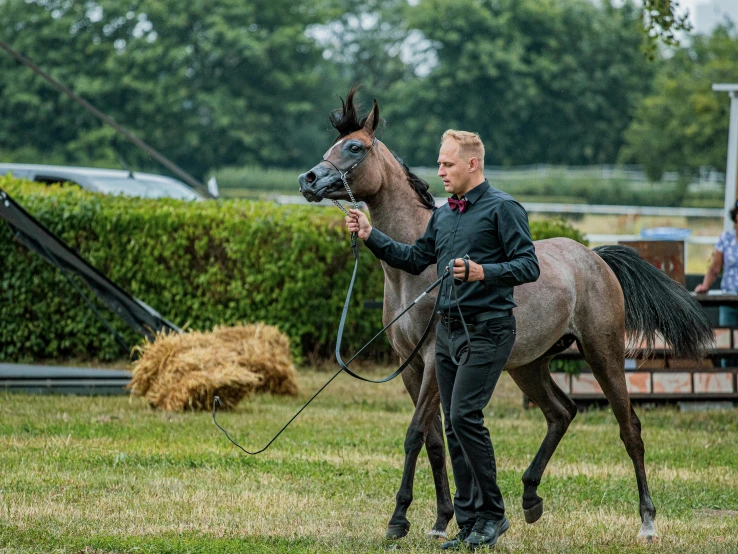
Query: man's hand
x,y
476,271
701,288
357,223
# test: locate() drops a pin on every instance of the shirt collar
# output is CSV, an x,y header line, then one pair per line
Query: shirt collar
x,y
474,194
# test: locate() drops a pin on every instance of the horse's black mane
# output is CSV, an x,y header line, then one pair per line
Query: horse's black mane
x,y
419,185
346,121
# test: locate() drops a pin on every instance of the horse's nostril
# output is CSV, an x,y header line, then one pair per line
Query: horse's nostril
x,y
310,177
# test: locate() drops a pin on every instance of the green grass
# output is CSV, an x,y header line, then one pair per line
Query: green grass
x,y
101,475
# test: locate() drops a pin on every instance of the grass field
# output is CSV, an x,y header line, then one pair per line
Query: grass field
x,y
101,475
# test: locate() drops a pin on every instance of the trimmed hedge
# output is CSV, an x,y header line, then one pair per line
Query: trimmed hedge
x,y
197,263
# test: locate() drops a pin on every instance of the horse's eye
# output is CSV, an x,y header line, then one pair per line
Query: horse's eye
x,y
355,148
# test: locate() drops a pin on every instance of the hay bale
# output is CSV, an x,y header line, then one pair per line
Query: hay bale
x,y
185,371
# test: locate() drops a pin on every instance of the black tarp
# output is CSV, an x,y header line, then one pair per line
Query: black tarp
x,y
141,317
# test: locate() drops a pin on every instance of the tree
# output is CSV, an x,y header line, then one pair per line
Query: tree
x,y
683,125
364,42
662,21
208,84
540,80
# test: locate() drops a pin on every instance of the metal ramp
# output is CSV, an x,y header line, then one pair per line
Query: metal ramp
x,y
35,379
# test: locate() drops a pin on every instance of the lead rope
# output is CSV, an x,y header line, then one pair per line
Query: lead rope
x,y
467,352
354,236
355,204
217,402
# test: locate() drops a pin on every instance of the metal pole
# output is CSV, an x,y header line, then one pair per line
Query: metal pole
x,y
731,171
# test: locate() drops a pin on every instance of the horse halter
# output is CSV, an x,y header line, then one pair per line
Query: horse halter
x,y
345,181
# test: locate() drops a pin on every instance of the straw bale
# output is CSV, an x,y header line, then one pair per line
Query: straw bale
x,y
185,371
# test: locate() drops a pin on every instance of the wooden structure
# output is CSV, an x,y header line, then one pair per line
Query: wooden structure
x,y
666,255
665,378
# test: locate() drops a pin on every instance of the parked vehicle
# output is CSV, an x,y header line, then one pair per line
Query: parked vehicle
x,y
105,181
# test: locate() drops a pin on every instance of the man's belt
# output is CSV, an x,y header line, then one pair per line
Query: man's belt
x,y
474,319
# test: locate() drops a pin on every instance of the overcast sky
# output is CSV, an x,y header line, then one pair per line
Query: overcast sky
x,y
704,19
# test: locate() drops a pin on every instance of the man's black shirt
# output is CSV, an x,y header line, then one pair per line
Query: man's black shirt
x,y
493,231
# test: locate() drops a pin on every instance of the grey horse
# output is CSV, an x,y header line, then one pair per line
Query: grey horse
x,y
589,296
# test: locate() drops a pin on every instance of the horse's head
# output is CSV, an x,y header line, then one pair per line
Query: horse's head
x,y
355,154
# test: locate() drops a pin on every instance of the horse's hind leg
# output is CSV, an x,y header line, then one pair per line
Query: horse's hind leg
x,y
559,410
607,362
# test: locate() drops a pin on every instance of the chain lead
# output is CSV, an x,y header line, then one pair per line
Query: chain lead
x,y
348,190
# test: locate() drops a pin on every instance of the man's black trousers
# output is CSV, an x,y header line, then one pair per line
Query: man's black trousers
x,y
465,391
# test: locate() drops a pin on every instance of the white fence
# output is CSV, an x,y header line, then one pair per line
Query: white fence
x,y
708,178
543,207
610,239
535,207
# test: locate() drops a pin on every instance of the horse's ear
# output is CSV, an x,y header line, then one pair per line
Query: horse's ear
x,y
372,120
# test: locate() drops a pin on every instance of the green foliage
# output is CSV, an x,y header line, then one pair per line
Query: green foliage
x,y
366,44
683,125
662,20
209,84
553,81
230,83
555,227
233,180
571,367
200,263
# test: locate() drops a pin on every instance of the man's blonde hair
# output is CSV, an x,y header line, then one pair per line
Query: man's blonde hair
x,y
470,144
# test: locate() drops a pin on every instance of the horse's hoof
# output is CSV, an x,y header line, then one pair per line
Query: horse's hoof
x,y
395,532
436,535
647,534
533,514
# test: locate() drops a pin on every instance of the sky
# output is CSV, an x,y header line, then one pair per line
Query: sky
x,y
702,12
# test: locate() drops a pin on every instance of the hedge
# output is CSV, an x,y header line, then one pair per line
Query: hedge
x,y
197,263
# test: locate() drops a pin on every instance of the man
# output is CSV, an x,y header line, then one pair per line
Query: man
x,y
492,228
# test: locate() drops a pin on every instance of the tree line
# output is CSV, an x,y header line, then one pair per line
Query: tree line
x,y
234,83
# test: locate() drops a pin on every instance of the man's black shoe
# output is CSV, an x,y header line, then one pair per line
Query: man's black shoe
x,y
486,532
457,541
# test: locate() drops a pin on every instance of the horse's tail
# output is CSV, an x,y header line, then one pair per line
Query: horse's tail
x,y
654,303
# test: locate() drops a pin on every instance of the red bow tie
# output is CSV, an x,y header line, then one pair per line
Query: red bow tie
x,y
461,204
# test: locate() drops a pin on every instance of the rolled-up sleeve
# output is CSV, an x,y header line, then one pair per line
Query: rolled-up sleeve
x,y
514,235
413,258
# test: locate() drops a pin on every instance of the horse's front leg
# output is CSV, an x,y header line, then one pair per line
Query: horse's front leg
x,y
399,526
435,446
421,383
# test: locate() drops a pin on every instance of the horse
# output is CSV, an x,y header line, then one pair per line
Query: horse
x,y
595,298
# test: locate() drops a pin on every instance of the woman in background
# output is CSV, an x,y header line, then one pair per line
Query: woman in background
x,y
724,258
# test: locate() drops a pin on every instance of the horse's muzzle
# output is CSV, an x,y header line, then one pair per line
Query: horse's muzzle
x,y
318,182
